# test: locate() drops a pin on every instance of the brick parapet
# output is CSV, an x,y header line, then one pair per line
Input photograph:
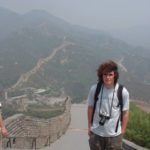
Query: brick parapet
x,y
27,133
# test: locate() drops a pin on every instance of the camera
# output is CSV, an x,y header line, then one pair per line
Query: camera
x,y
103,117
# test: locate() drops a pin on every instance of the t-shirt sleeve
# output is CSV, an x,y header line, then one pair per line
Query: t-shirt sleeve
x,y
125,99
90,98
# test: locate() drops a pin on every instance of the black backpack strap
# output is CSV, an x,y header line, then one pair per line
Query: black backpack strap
x,y
120,104
98,88
120,98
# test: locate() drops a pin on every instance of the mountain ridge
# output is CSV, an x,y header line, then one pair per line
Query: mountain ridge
x,y
74,68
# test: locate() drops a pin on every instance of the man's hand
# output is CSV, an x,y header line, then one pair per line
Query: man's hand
x,y
4,131
89,132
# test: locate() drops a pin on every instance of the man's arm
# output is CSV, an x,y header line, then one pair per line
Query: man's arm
x,y
124,121
3,129
89,112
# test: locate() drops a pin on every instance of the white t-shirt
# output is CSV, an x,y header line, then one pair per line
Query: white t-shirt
x,y
109,106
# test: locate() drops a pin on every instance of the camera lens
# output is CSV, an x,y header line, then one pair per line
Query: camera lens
x,y
102,120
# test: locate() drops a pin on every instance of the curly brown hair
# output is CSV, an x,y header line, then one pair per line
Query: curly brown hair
x,y
107,67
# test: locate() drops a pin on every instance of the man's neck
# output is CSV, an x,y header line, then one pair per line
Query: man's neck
x,y
109,86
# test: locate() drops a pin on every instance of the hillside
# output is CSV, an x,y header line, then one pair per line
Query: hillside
x,y
43,51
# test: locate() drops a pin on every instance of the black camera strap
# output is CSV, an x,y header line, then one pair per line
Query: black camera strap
x,y
101,99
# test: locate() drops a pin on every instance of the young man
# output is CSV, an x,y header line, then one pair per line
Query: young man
x,y
105,127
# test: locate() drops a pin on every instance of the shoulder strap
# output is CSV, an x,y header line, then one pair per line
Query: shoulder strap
x,y
120,104
120,98
98,88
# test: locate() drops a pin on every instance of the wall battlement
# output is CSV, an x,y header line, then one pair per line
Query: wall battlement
x,y
30,133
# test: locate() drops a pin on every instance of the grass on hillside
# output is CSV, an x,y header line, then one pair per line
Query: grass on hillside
x,y
138,129
44,114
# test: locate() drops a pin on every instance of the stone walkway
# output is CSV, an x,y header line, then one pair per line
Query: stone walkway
x,y
76,137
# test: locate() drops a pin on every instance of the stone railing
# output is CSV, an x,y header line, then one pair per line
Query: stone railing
x,y
127,145
30,133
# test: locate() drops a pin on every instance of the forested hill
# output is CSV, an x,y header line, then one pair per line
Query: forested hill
x,y
38,38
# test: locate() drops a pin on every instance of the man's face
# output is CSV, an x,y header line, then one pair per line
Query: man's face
x,y
108,79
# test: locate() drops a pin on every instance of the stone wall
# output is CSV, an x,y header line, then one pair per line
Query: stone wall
x,y
30,133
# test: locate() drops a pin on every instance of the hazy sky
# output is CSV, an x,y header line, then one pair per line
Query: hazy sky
x,y
100,14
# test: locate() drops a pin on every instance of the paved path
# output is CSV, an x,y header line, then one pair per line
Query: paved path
x,y
76,137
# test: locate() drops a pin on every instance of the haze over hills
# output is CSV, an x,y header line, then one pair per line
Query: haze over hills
x,y
42,51
136,35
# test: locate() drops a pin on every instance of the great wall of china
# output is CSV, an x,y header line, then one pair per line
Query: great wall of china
x,y
30,133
